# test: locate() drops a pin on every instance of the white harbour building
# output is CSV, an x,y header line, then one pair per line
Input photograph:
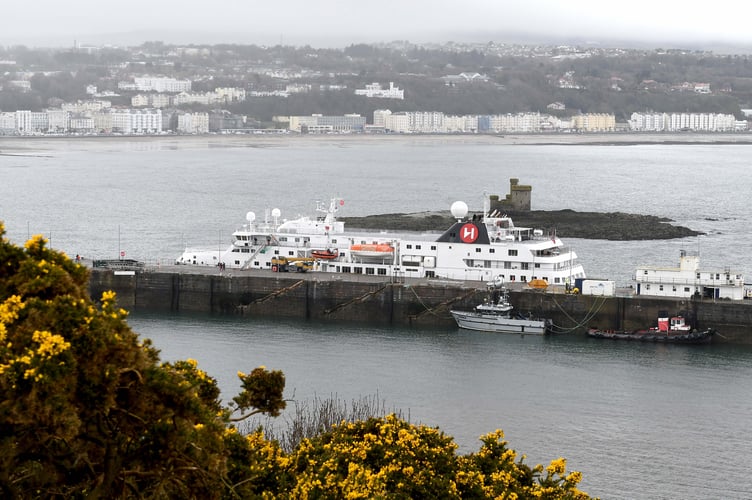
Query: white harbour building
x,y
689,280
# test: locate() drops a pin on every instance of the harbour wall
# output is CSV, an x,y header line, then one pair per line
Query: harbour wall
x,y
415,303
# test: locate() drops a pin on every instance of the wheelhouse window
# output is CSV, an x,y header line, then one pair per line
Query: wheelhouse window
x,y
512,253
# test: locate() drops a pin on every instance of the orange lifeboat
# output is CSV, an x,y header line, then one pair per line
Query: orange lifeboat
x,y
538,284
371,250
324,254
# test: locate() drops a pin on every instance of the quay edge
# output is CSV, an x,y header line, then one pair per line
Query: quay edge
x,y
411,302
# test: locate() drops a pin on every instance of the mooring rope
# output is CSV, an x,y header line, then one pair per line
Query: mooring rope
x,y
594,309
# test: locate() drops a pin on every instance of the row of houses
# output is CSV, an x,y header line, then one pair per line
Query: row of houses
x,y
674,122
99,117
125,121
433,122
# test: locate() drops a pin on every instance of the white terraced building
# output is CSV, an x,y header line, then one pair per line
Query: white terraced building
x,y
688,280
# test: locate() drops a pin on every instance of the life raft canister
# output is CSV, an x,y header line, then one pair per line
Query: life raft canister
x,y
274,269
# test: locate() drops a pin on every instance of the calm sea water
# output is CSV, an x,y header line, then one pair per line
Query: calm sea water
x,y
639,421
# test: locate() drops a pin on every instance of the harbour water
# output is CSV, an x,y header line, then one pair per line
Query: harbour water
x,y
640,421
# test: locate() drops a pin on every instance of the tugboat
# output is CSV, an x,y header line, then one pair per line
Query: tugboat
x,y
669,330
495,315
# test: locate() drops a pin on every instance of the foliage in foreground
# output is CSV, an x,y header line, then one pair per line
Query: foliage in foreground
x,y
87,410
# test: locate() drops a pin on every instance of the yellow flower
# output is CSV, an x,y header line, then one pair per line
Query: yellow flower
x,y
49,344
10,308
557,466
36,241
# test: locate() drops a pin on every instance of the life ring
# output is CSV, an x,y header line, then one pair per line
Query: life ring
x,y
274,269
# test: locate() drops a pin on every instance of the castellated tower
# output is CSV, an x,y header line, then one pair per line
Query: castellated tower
x,y
518,198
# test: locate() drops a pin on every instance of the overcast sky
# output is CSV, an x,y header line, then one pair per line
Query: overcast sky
x,y
337,23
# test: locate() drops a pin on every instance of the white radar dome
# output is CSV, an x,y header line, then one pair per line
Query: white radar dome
x,y
459,209
276,212
250,217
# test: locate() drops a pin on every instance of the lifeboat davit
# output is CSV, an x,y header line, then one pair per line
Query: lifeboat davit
x,y
373,250
324,254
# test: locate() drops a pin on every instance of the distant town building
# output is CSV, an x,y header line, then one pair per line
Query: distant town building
x,y
58,121
136,121
513,123
227,95
81,123
463,78
673,122
594,122
193,123
161,84
351,123
375,90
89,106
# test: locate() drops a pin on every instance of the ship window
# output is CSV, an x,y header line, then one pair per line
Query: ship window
x,y
357,270
537,266
660,288
345,269
507,265
276,252
512,277
433,247
698,276
382,272
512,253
523,279
491,250
477,250
290,253
647,286
369,270
717,276
409,246
245,250
545,278
646,272
686,289
237,262
674,289
256,263
556,280
525,266
417,247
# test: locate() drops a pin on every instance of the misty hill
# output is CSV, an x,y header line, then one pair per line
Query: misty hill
x,y
457,79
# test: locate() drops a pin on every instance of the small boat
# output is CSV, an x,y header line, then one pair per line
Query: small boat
x,y
377,250
324,254
496,315
669,330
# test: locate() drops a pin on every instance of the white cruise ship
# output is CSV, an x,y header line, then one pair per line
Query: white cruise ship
x,y
479,248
